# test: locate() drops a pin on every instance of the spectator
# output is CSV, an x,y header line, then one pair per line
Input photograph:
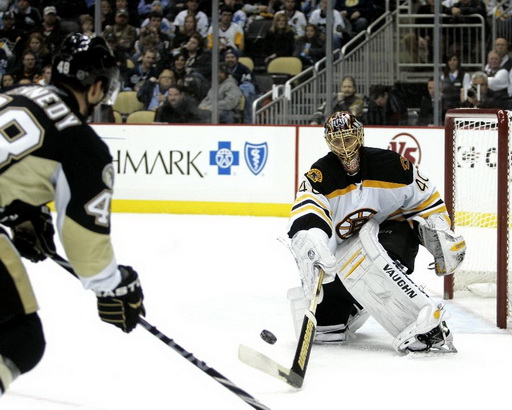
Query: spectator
x,y
107,15
199,60
87,25
426,112
386,107
227,100
462,12
183,33
296,18
179,68
244,78
201,17
125,33
359,13
453,79
152,36
51,29
36,44
256,10
497,77
147,6
239,16
480,95
230,34
8,80
153,91
279,40
26,17
501,46
130,5
9,33
341,31
309,48
179,108
346,100
141,71
165,25
27,68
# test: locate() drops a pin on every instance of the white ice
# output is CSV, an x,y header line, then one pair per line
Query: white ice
x,y
213,282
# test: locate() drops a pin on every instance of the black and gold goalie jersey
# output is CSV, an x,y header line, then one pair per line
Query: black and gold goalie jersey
x,y
49,153
387,186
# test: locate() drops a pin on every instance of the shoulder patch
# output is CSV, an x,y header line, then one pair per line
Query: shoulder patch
x,y
315,175
405,163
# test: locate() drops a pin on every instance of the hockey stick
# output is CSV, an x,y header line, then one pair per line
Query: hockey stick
x,y
295,375
176,347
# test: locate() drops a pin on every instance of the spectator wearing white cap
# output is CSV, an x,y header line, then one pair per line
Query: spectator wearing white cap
x,y
51,29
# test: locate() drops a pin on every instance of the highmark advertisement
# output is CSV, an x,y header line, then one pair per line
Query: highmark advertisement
x,y
237,170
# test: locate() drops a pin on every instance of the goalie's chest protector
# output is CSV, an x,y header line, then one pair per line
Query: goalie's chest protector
x,y
385,185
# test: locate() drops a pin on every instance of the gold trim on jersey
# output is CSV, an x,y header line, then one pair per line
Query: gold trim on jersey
x,y
89,252
12,262
365,184
29,181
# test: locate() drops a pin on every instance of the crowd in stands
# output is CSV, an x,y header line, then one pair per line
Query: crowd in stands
x,y
164,51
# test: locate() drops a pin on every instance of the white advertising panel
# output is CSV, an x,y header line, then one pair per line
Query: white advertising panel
x,y
424,147
202,163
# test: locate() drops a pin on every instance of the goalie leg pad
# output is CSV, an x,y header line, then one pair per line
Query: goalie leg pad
x,y
8,372
381,286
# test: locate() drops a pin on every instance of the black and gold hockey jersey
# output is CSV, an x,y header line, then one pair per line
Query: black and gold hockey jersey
x,y
387,187
49,153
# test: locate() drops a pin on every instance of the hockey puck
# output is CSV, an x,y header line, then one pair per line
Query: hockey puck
x,y
268,336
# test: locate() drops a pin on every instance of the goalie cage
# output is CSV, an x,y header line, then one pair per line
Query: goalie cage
x,y
477,195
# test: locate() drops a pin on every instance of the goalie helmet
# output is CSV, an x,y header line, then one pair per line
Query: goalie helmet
x,y
344,134
82,60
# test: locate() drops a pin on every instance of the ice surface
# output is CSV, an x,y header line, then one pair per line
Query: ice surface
x,y
213,282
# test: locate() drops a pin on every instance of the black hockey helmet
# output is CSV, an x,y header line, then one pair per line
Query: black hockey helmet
x,y
82,60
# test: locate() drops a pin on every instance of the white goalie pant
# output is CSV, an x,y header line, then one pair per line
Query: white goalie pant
x,y
382,287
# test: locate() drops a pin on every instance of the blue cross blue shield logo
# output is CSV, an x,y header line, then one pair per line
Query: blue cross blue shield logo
x,y
224,158
256,156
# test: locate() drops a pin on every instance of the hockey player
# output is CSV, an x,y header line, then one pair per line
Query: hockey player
x,y
48,152
360,215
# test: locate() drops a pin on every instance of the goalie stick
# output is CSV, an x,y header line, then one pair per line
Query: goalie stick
x,y
295,375
176,347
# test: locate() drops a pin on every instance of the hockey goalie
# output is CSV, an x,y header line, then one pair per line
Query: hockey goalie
x,y
360,215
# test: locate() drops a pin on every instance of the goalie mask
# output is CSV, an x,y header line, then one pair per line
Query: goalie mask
x,y
344,135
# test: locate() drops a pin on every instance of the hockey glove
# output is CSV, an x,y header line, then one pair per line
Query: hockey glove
x,y
311,251
122,306
33,237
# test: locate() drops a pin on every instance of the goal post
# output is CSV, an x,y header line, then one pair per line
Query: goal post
x,y
477,196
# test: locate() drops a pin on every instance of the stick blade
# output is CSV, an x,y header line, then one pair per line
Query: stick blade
x,y
266,365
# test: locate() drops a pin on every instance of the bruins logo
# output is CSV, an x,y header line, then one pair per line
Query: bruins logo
x,y
315,175
405,163
354,222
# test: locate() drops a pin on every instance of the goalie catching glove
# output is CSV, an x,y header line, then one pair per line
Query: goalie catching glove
x,y
310,250
447,248
122,306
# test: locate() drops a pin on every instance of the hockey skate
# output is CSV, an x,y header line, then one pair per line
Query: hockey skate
x,y
438,340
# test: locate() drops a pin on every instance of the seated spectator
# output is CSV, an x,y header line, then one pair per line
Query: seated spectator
x,y
36,44
8,80
244,78
27,68
230,34
46,75
179,68
501,46
179,108
10,35
341,30
183,33
296,18
199,60
426,112
239,16
227,100
309,48
453,79
107,15
87,25
359,13
386,107
497,77
164,24
145,68
26,17
480,95
154,91
152,36
201,17
133,16
51,29
279,40
126,34
346,100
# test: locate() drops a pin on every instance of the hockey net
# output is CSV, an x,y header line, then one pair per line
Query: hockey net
x,y
477,195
